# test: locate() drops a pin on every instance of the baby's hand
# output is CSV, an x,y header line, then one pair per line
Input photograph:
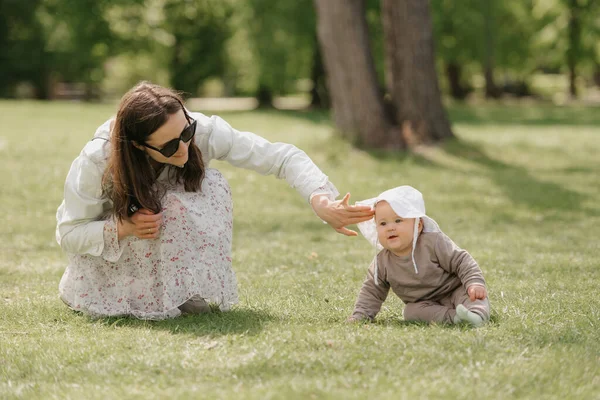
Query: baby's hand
x,y
477,292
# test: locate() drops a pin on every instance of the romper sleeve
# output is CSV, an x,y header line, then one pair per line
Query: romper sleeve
x,y
247,150
371,296
458,261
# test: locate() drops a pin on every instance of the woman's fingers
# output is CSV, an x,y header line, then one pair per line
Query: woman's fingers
x,y
148,225
141,230
342,222
345,200
144,222
353,218
359,208
145,215
345,203
148,233
350,213
355,208
148,218
345,231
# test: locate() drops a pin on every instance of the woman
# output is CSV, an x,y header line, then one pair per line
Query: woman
x,y
147,225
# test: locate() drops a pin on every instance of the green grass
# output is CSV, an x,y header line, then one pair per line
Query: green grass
x,y
519,190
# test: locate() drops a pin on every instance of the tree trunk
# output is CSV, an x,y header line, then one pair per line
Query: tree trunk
x,y
491,90
319,97
410,67
597,75
574,45
41,86
177,79
358,109
453,73
264,96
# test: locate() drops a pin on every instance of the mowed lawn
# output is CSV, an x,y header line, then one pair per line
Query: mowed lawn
x,y
520,190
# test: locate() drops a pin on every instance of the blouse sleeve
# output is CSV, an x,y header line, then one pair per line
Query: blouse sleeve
x,y
79,228
250,151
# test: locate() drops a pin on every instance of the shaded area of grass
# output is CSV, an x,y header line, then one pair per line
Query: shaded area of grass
x,y
524,114
533,114
516,181
216,323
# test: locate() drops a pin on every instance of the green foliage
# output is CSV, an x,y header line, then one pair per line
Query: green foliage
x,y
283,39
267,44
77,35
199,30
22,45
517,191
460,31
525,35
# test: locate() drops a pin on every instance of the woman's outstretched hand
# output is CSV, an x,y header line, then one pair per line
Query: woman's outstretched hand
x,y
339,213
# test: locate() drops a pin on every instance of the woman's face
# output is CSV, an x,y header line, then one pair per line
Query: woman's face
x,y
170,130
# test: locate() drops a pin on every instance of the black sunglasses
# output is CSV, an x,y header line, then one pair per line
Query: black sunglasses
x,y
171,146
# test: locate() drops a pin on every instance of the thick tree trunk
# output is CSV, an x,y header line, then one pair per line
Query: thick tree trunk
x,y
411,71
358,109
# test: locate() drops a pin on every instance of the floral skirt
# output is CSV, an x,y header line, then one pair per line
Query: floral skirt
x,y
150,279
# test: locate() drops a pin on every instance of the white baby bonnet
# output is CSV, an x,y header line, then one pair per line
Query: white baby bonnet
x,y
407,202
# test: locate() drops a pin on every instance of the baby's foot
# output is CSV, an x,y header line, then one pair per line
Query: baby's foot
x,y
462,314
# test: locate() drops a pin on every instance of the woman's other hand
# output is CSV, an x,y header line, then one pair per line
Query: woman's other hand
x,y
339,213
144,224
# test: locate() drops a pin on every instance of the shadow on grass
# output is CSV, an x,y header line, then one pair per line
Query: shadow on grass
x,y
541,114
399,157
309,115
517,183
398,321
526,114
215,323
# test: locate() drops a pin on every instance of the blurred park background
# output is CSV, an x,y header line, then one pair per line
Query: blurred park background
x,y
510,91
266,49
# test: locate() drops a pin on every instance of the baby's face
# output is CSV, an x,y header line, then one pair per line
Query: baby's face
x,y
394,233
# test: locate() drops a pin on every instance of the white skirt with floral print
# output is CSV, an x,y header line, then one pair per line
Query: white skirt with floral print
x,y
150,279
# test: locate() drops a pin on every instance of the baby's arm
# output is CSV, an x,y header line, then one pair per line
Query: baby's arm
x,y
370,298
460,262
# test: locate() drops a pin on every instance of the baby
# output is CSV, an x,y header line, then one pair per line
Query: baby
x,y
438,281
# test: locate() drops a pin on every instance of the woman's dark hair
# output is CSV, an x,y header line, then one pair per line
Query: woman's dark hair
x,y
129,177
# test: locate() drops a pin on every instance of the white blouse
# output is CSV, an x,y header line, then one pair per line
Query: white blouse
x,y
82,214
